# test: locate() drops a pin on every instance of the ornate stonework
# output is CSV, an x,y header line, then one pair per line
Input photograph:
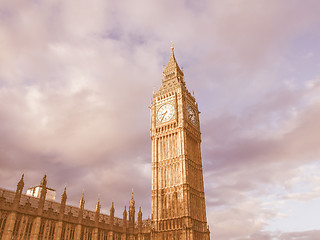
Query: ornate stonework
x,y
178,203
31,218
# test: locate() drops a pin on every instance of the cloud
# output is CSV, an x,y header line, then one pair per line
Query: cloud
x,y
76,81
305,196
246,158
310,235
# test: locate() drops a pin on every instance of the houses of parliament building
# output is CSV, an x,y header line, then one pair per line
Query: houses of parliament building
x,y
178,201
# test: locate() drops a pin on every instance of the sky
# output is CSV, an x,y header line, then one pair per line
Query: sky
x,y
76,81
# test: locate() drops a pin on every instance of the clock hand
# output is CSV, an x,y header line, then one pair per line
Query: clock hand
x,y
163,116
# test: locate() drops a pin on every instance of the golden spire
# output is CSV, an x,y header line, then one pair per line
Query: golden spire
x,y
64,195
132,202
98,205
172,66
44,181
82,201
21,182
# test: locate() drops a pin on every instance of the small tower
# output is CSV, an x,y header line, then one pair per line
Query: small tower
x,y
132,211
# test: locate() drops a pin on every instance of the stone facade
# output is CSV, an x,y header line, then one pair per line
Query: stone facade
x,y
178,202
30,218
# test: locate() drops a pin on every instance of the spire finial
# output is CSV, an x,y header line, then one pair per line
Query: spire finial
x,y
98,206
98,203
82,201
172,69
132,202
82,197
44,180
65,190
21,180
64,195
20,186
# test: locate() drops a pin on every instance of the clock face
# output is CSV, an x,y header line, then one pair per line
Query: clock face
x,y
192,115
165,113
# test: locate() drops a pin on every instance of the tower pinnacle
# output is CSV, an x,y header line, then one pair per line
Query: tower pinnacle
x,y
172,69
64,196
132,202
82,201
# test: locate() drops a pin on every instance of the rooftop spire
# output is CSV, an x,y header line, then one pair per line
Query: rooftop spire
x,y
20,184
81,205
43,182
132,202
64,196
98,206
172,69
125,209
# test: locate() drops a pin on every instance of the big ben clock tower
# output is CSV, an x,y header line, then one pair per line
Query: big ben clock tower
x,y
178,202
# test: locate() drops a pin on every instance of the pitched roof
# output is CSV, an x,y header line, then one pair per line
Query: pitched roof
x,y
172,65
